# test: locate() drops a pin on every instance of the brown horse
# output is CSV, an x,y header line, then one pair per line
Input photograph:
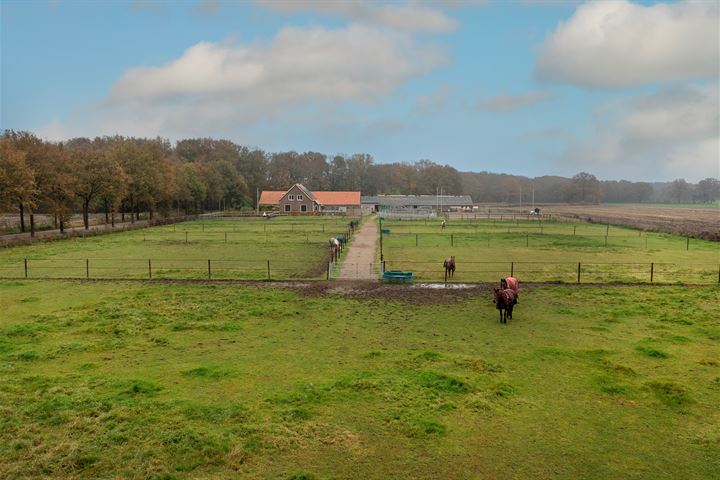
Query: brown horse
x,y
504,301
449,265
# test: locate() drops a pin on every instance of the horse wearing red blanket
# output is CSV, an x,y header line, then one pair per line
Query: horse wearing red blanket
x,y
512,284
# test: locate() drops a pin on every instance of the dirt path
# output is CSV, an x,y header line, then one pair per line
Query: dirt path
x,y
359,263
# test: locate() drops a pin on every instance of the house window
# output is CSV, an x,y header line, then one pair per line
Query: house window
x,y
299,198
287,208
291,197
303,208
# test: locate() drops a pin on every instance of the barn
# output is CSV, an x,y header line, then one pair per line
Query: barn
x,y
298,199
417,205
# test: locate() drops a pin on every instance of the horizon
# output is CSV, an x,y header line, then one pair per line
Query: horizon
x,y
548,88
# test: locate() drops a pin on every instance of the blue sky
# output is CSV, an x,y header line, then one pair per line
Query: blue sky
x,y
619,89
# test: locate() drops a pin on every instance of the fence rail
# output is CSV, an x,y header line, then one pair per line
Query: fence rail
x,y
164,268
568,272
509,238
273,269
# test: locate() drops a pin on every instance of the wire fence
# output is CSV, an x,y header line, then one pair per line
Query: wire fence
x,y
276,269
510,238
568,272
165,268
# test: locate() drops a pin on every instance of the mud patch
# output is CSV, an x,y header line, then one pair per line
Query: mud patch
x,y
417,294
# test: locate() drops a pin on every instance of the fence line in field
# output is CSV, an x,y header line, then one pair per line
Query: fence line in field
x,y
274,269
573,272
485,237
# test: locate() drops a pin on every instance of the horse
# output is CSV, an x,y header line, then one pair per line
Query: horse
x,y
334,248
511,283
504,302
449,265
442,225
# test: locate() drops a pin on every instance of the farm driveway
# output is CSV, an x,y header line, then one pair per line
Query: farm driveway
x,y
360,260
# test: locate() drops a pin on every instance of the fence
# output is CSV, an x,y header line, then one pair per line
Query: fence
x,y
525,239
164,268
467,272
567,272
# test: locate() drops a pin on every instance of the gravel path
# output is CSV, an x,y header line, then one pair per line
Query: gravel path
x,y
359,263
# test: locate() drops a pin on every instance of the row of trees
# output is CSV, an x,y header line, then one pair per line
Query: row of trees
x,y
124,176
121,175
583,188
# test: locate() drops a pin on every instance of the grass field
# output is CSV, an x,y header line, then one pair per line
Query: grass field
x,y
148,380
290,247
484,250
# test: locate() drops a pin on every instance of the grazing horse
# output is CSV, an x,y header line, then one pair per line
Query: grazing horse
x,y
334,248
442,225
449,265
504,300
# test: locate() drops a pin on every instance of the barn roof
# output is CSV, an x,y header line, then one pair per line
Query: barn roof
x,y
270,197
418,200
337,198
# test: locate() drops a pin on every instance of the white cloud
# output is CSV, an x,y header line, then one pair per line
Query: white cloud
x,y
669,134
411,17
208,7
508,103
615,43
219,88
433,103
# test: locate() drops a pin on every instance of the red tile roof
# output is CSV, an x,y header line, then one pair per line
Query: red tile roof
x,y
270,197
337,198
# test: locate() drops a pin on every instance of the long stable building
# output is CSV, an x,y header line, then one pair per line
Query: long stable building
x,y
298,199
421,205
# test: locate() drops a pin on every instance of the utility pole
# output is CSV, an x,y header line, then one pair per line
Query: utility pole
x,y
533,199
257,201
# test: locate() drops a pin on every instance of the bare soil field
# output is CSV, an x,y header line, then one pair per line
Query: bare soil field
x,y
698,222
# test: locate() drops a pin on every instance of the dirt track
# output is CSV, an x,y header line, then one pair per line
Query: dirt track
x,y
360,259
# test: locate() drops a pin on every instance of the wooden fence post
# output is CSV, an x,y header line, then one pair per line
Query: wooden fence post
x,y
225,237
687,244
416,239
452,240
327,277
268,269
87,268
26,275
578,273
574,228
209,271
512,269
652,271
527,240
149,268
186,236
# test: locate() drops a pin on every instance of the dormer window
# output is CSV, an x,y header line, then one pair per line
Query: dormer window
x,y
299,198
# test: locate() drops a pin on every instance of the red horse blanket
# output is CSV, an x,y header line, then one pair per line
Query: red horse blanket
x,y
512,284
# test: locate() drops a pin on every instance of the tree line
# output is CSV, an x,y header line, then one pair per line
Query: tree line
x,y
123,176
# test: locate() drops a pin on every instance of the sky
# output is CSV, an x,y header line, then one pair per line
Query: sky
x,y
620,89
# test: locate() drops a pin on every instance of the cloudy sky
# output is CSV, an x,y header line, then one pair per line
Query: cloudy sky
x,y
617,88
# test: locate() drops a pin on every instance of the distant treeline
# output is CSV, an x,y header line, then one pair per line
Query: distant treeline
x,y
124,175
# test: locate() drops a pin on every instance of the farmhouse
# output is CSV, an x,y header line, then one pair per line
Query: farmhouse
x,y
417,205
298,199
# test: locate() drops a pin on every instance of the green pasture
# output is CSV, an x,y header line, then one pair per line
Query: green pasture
x,y
486,250
147,380
289,247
